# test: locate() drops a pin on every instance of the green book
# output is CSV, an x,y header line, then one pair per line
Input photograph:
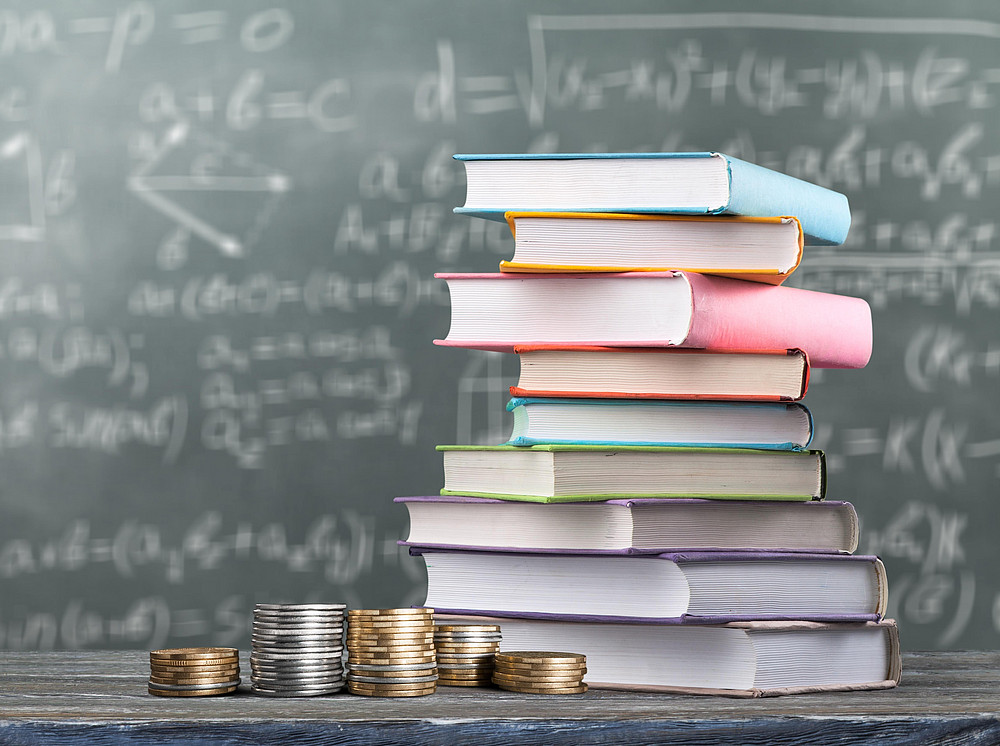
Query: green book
x,y
571,473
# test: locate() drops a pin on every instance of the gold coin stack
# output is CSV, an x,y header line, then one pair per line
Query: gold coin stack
x,y
390,652
465,653
538,672
193,672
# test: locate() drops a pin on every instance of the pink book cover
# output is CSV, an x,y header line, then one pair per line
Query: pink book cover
x,y
835,331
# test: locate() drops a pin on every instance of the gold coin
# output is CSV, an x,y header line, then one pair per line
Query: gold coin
x,y
196,693
540,656
573,679
455,682
389,661
506,665
484,649
162,668
220,680
193,653
420,693
542,690
444,673
391,636
404,674
390,648
422,612
468,628
383,624
416,687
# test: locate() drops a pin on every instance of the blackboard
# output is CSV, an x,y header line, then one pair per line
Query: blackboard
x,y
219,225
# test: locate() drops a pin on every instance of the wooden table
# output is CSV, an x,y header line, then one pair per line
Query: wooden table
x,y
100,697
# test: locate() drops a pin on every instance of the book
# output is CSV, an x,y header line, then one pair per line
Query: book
x,y
554,473
660,373
498,311
770,425
638,526
707,183
738,659
758,249
671,588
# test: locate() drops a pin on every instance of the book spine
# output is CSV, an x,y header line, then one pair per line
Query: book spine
x,y
825,215
835,331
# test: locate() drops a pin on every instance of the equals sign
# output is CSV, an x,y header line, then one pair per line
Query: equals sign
x,y
289,292
287,105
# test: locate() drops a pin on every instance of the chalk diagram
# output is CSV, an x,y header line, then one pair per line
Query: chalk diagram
x,y
244,193
22,190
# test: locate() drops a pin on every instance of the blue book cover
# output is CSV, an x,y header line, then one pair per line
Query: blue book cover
x,y
706,183
659,422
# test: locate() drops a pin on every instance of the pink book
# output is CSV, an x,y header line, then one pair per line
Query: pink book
x,y
496,311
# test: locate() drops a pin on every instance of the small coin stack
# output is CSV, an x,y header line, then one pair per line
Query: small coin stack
x,y
391,652
537,672
297,649
465,653
193,672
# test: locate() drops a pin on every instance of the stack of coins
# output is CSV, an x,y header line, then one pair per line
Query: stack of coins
x,y
297,649
465,653
193,672
536,672
391,652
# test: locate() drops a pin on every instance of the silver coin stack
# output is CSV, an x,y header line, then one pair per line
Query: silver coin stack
x,y
296,650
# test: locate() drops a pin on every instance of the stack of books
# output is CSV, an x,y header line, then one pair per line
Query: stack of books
x,y
657,507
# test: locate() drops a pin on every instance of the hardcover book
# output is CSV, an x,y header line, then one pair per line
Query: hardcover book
x,y
770,425
738,659
660,373
672,588
656,309
560,473
705,183
758,249
637,526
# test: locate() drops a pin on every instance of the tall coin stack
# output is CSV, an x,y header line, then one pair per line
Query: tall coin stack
x,y
391,652
297,649
465,653
537,672
193,672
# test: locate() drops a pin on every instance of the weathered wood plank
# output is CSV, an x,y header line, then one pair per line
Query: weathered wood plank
x,y
101,697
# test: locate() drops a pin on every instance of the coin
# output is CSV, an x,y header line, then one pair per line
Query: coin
x,y
391,667
388,691
385,658
465,675
192,687
187,669
401,674
199,693
539,656
465,649
292,692
410,611
311,654
358,678
193,654
517,667
468,628
573,680
462,682
216,680
543,690
300,607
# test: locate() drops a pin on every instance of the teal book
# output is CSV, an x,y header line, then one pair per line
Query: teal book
x,y
705,183
571,473
706,424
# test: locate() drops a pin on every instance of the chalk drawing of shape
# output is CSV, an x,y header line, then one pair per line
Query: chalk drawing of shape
x,y
22,196
211,189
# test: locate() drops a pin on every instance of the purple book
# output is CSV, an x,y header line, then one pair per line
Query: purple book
x,y
631,526
668,588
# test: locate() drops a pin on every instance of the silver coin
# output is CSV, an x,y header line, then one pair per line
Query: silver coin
x,y
295,623
296,681
361,667
306,654
295,669
281,633
300,607
295,665
310,692
192,687
284,643
391,679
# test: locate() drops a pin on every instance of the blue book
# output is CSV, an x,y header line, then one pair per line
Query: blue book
x,y
658,422
669,183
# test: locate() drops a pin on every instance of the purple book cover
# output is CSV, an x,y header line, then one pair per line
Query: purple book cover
x,y
697,556
627,503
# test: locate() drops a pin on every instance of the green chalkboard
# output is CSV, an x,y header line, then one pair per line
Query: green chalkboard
x,y
219,225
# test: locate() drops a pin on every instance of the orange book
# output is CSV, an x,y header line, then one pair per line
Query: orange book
x,y
657,373
760,249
